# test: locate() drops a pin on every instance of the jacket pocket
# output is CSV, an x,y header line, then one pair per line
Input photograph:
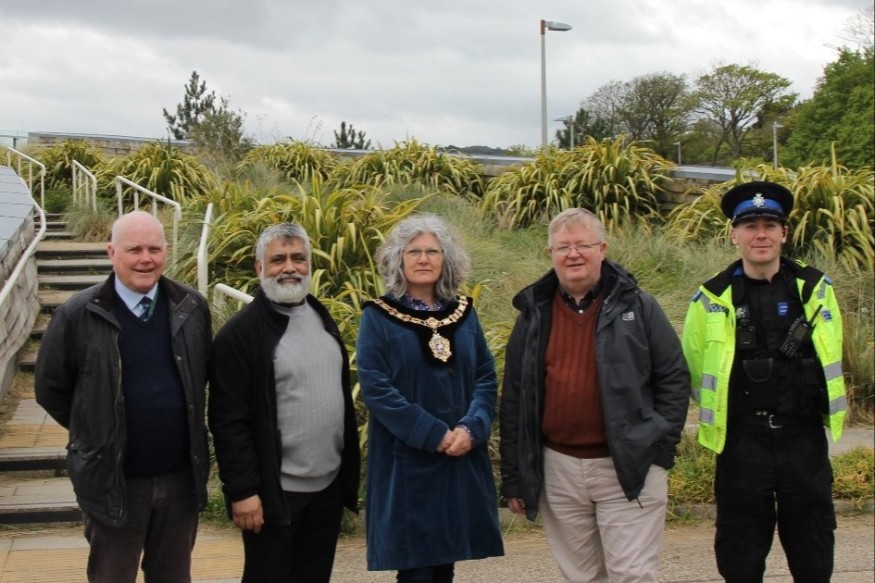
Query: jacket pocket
x,y
86,467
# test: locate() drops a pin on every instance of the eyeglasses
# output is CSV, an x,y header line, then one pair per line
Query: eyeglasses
x,y
582,248
417,253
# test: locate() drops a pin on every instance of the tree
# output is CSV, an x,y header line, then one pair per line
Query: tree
x,y
842,110
860,29
585,124
220,133
605,104
195,105
652,109
209,122
348,139
732,97
647,108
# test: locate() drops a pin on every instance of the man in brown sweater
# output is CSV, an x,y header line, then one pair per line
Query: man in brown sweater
x,y
594,400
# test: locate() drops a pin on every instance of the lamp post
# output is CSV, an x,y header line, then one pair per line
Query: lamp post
x,y
775,126
678,144
569,119
545,26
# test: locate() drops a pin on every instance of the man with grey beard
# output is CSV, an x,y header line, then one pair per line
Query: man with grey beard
x,y
282,419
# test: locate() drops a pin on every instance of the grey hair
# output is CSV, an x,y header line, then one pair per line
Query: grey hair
x,y
123,221
284,231
390,255
577,216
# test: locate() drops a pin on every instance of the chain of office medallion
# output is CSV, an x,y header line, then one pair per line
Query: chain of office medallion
x,y
432,323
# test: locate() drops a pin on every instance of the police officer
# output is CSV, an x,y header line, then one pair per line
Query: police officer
x,y
763,340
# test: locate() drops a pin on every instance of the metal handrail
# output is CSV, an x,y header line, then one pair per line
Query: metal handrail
x,y
227,290
22,157
203,263
84,187
9,285
203,267
120,181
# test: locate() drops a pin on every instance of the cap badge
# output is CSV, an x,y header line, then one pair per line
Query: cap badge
x,y
758,200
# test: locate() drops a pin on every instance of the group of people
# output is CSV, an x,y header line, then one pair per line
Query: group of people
x,y
594,400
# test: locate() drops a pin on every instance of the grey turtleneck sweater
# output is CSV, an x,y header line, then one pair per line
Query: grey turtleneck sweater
x,y
308,367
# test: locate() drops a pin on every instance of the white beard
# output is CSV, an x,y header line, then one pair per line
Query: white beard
x,y
286,289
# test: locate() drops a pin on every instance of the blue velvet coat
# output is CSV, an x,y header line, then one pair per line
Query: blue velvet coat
x,y
424,508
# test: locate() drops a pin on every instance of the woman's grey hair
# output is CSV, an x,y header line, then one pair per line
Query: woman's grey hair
x,y
390,256
577,216
284,231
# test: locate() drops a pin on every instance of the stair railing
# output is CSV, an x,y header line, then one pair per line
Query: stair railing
x,y
23,159
227,290
10,283
121,182
203,260
203,264
84,186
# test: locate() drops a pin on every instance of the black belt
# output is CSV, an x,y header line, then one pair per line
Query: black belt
x,y
765,419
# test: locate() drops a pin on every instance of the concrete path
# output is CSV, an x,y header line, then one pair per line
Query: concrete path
x,y
58,555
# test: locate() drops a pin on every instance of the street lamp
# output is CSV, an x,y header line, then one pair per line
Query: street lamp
x,y
775,126
678,144
569,119
545,26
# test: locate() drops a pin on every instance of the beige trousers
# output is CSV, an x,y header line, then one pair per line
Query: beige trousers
x,y
594,532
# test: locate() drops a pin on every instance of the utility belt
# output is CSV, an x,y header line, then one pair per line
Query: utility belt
x,y
773,421
777,384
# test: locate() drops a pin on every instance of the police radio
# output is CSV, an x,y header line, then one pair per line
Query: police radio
x,y
799,332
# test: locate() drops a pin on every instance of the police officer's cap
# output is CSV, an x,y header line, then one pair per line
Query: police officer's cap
x,y
757,199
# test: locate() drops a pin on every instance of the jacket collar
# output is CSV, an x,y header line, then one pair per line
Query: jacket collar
x,y
614,279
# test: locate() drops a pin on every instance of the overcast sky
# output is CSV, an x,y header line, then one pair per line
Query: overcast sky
x,y
443,72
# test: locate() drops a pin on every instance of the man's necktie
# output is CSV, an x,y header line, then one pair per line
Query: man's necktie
x,y
145,308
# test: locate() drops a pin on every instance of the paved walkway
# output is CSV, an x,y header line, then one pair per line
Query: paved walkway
x,y
58,555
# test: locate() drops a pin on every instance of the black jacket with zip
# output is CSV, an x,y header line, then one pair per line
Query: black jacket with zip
x,y
78,382
243,409
645,385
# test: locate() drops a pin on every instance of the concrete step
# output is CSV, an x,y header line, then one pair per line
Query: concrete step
x,y
37,500
27,359
26,459
51,235
51,299
70,282
69,249
90,265
39,327
32,440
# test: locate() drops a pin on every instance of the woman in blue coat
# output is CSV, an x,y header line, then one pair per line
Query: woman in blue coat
x,y
428,380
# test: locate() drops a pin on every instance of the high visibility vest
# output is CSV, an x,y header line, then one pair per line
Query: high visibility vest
x,y
709,347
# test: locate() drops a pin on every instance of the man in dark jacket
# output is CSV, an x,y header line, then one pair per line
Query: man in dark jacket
x,y
123,367
282,419
594,400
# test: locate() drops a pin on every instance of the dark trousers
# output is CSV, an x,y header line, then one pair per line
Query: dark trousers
x,y
162,526
299,552
767,476
436,574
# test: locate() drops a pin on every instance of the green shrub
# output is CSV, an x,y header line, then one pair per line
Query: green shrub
x,y
58,160
833,212
412,163
615,180
854,473
295,161
161,168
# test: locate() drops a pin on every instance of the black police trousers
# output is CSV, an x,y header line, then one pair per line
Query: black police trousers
x,y
767,476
